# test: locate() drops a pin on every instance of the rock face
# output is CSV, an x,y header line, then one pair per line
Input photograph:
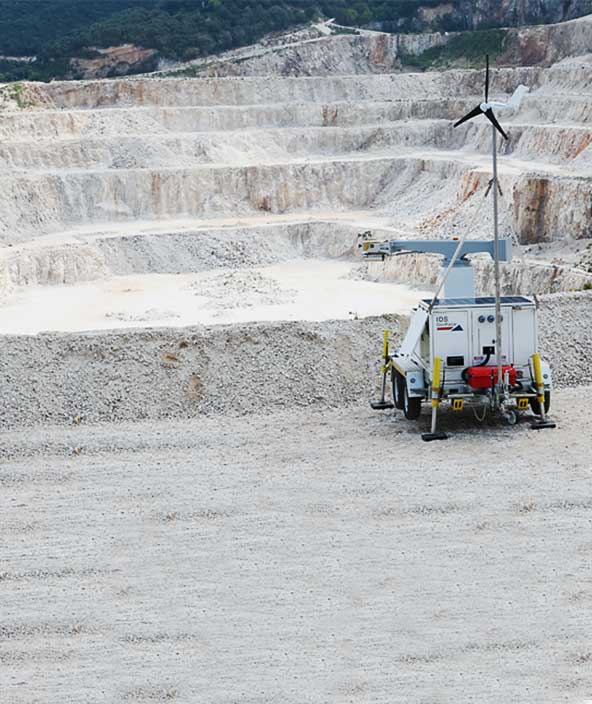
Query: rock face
x,y
547,44
340,54
116,61
374,52
230,147
523,12
473,14
517,277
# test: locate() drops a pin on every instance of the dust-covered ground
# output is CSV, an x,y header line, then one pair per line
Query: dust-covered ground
x,y
304,556
304,289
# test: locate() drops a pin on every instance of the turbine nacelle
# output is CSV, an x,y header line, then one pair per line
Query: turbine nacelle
x,y
512,104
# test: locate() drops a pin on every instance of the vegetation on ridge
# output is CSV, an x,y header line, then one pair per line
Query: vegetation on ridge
x,y
56,31
466,47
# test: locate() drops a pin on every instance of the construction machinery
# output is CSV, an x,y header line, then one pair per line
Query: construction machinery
x,y
478,352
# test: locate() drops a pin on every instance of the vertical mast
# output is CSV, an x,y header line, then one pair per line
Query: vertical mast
x,y
498,308
486,108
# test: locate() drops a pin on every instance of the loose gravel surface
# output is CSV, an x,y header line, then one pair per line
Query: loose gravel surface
x,y
308,556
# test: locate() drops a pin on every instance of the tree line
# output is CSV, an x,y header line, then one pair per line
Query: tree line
x,y
55,31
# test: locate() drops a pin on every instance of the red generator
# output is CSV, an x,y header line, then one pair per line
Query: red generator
x,y
484,377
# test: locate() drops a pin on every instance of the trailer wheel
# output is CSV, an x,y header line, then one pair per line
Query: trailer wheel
x,y
398,382
411,405
536,406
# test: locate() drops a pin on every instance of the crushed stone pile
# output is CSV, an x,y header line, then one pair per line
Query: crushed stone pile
x,y
238,369
241,289
565,336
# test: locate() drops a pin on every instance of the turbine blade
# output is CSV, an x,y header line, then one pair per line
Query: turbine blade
x,y
487,78
470,116
492,118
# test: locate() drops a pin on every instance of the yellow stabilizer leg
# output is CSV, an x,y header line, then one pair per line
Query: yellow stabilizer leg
x,y
385,345
539,383
436,389
383,404
540,391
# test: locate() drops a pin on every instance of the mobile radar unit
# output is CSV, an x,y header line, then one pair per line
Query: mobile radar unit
x,y
465,350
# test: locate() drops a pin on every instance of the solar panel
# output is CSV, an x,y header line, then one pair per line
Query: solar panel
x,y
479,301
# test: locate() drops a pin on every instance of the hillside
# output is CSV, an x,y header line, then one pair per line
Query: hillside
x,y
319,51
60,37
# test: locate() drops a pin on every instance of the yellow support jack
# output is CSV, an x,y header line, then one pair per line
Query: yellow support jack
x,y
383,404
542,422
436,389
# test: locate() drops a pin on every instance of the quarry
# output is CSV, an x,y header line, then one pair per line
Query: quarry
x,y
198,503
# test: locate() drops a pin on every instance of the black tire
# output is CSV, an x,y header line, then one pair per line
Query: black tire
x,y
536,406
411,405
398,383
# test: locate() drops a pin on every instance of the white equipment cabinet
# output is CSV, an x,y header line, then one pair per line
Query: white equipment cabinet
x,y
461,333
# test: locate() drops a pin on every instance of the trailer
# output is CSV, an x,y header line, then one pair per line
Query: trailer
x,y
458,335
450,355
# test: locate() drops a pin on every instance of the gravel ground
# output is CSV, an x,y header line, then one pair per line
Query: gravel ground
x,y
307,556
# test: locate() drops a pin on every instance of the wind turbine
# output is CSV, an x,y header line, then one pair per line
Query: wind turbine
x,y
486,108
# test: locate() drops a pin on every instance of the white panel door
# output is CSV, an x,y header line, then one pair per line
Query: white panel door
x,y
525,342
450,332
484,334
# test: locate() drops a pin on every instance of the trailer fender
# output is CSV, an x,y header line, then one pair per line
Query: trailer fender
x,y
416,385
547,375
